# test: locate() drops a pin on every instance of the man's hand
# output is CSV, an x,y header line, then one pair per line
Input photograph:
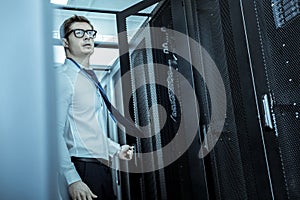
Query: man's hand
x,y
80,191
126,152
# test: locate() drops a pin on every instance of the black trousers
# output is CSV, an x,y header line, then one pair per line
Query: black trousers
x,y
98,178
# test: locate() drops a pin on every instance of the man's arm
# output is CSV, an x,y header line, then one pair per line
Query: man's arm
x,y
64,95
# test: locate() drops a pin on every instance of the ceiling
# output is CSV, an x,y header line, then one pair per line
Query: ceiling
x,y
112,5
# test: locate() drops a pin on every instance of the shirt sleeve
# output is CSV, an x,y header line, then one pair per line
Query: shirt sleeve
x,y
64,96
113,147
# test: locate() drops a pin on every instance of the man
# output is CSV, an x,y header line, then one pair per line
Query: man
x,y
84,148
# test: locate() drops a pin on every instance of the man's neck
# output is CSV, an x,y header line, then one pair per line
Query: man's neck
x,y
85,62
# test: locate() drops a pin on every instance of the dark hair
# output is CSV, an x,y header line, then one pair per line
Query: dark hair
x,y
65,27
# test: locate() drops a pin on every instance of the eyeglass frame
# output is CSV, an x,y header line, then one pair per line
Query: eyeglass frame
x,y
84,32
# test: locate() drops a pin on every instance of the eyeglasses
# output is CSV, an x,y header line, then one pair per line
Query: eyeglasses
x,y
79,33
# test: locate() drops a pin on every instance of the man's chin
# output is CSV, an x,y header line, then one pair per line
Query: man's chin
x,y
88,51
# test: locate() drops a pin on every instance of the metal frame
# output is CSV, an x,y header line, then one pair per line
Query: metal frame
x,y
125,67
121,27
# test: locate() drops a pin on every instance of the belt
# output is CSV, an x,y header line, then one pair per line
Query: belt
x,y
99,161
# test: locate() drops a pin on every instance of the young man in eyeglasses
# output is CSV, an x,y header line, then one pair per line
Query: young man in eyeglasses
x,y
84,148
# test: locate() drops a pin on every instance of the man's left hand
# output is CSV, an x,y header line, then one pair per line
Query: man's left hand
x,y
126,152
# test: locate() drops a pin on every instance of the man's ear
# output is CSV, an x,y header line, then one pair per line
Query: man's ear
x,y
65,43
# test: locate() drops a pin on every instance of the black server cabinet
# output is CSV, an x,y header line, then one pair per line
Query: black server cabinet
x,y
255,46
184,178
274,46
262,55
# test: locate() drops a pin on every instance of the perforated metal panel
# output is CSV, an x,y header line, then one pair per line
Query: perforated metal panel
x,y
226,165
141,102
282,47
173,175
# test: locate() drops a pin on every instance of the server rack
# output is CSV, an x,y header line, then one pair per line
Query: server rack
x,y
256,49
274,48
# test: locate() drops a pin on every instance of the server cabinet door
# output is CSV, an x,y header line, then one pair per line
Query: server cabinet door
x,y
272,28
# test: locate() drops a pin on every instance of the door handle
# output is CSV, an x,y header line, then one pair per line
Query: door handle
x,y
267,113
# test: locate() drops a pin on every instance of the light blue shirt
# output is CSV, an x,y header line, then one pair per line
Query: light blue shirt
x,y
81,132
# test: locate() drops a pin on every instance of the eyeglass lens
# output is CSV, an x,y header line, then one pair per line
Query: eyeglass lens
x,y
79,33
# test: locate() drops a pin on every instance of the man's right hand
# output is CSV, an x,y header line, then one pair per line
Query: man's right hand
x,y
80,191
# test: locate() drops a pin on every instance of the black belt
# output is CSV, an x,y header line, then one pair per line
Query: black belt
x,y
100,161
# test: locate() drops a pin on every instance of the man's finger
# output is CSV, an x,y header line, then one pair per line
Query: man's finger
x,y
89,197
92,194
82,196
78,197
129,154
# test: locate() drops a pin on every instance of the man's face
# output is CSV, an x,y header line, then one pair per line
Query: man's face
x,y
80,47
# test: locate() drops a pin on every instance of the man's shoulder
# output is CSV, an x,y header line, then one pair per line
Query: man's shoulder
x,y
64,80
63,74
65,70
61,67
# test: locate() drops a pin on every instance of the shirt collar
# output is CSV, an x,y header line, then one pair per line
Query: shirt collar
x,y
70,63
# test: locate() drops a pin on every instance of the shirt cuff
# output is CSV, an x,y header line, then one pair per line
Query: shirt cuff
x,y
72,177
